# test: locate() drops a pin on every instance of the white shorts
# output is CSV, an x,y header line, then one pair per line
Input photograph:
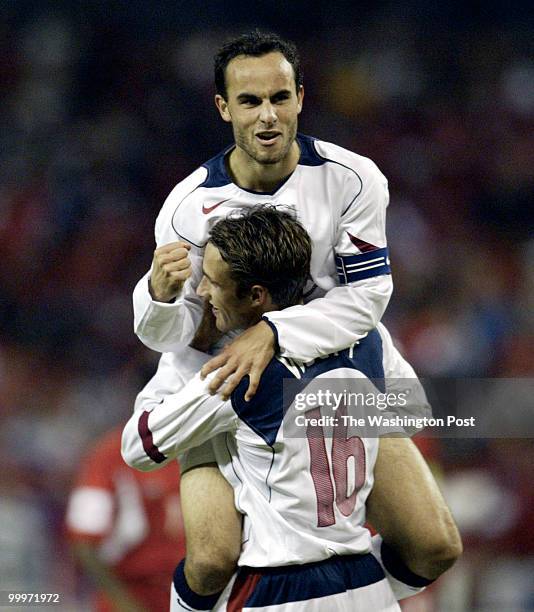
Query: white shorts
x,y
352,583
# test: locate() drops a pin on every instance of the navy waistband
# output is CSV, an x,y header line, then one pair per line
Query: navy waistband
x,y
278,585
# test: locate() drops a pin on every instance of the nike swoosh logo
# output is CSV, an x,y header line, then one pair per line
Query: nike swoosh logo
x,y
207,209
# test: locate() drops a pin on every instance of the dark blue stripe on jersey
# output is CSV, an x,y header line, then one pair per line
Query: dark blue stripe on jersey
x,y
216,167
352,268
275,333
366,357
310,157
308,153
265,411
280,585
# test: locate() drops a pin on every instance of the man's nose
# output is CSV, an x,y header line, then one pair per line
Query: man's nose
x,y
268,114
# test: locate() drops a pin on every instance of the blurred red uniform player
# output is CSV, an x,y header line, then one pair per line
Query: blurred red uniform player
x,y
125,528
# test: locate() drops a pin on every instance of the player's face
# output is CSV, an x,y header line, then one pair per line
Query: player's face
x,y
219,289
262,105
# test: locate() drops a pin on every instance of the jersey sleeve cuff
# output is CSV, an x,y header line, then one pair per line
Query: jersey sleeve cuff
x,y
275,334
397,568
176,300
188,596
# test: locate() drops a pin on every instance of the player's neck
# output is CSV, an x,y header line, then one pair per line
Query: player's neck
x,y
264,178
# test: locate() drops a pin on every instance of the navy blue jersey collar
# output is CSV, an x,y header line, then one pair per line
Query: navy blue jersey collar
x,y
308,154
218,175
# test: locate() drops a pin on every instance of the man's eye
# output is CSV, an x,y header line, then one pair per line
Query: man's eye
x,y
249,101
281,97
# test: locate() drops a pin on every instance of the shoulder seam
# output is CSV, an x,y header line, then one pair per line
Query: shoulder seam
x,y
174,214
333,161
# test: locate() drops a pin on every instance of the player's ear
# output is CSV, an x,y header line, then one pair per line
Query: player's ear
x,y
222,107
259,296
300,98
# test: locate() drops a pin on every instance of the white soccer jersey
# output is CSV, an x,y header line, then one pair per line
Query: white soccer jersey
x,y
303,497
339,197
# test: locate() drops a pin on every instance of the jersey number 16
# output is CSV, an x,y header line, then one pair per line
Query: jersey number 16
x,y
343,449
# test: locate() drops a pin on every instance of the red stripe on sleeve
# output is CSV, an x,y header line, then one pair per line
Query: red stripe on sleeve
x,y
148,443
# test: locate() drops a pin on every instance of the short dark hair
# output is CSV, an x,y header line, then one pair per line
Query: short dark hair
x,y
265,246
254,43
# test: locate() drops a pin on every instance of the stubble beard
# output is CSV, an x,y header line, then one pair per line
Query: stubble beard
x,y
252,151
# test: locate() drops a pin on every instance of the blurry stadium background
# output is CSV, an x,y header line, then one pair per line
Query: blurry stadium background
x,y
106,105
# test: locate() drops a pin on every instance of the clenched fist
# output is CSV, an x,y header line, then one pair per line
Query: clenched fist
x,y
171,267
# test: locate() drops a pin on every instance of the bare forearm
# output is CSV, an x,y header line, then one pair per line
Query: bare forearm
x,y
337,320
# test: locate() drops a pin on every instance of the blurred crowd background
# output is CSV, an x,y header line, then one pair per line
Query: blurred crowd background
x,y
105,106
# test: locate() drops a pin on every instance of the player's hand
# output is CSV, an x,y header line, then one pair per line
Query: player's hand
x,y
248,354
171,267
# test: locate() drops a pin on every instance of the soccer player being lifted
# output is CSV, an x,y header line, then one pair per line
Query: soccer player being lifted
x,y
304,497
339,197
